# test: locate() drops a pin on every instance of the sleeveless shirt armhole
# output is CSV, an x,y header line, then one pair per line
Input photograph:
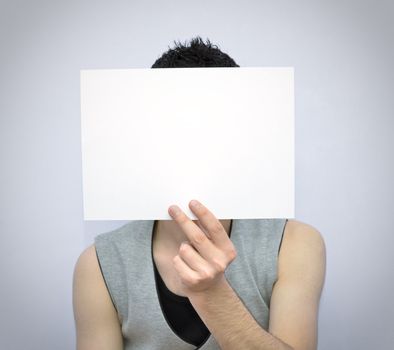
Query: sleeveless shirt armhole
x,y
105,281
283,231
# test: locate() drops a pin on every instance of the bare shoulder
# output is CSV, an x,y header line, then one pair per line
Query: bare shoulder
x,y
298,231
87,269
303,250
87,260
88,278
96,319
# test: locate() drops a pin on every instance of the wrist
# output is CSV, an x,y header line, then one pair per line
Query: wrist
x,y
218,289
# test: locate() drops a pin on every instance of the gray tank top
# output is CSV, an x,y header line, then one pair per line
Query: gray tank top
x,y
125,258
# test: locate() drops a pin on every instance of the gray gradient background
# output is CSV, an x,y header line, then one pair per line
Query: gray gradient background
x,y
342,52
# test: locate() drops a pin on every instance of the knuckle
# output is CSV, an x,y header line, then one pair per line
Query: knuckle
x,y
184,247
194,281
207,275
199,238
232,254
217,228
187,281
219,266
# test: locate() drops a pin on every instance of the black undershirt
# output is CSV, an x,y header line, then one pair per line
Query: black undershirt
x,y
180,314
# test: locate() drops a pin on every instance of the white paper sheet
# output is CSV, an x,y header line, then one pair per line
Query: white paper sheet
x,y
156,137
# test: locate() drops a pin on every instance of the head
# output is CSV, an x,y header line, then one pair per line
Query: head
x,y
195,54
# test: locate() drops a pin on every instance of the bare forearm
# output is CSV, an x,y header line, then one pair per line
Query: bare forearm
x,y
230,321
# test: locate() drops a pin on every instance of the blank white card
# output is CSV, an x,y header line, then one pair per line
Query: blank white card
x,y
162,136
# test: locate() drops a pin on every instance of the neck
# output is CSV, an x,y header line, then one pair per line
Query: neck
x,y
170,236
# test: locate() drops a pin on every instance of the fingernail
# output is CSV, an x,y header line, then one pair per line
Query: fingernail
x,y
174,210
195,204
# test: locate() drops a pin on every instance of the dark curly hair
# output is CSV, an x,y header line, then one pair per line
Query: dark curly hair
x,y
196,54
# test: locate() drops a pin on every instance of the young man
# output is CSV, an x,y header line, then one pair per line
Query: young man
x,y
268,299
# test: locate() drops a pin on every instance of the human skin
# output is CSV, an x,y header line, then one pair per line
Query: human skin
x,y
201,263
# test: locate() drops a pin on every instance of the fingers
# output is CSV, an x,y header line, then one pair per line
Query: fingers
x,y
209,222
195,235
